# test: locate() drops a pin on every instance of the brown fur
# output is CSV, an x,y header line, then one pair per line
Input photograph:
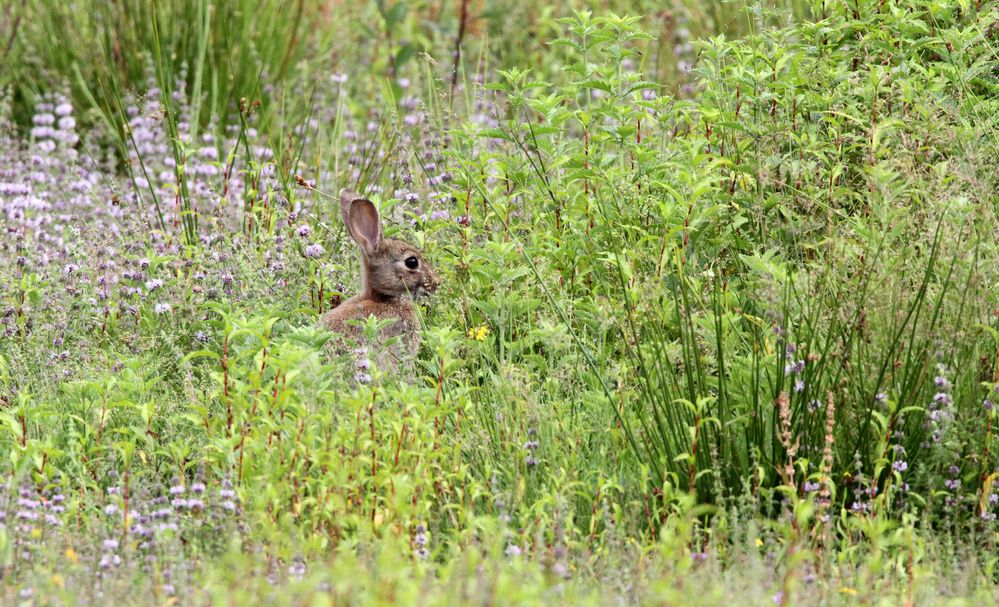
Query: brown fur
x,y
387,284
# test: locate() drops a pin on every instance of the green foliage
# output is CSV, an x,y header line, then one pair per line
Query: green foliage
x,y
715,321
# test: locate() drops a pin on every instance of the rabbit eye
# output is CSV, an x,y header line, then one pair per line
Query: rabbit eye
x,y
412,262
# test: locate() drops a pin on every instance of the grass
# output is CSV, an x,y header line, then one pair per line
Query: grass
x,y
717,317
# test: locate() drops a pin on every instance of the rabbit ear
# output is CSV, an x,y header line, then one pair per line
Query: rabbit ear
x,y
361,219
347,197
365,226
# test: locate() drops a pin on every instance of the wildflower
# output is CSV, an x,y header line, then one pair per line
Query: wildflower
x,y
513,550
478,333
899,465
297,568
304,230
794,367
420,542
314,251
227,492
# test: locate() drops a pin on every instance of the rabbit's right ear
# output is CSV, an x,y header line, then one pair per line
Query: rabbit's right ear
x,y
346,198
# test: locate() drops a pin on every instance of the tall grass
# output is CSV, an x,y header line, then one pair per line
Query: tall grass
x,y
715,308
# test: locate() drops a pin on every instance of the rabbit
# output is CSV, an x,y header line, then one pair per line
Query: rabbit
x,y
392,273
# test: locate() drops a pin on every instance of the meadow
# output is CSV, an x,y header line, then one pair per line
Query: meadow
x,y
718,321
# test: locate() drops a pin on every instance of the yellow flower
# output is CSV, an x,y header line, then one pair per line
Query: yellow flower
x,y
759,542
478,333
58,581
848,590
71,555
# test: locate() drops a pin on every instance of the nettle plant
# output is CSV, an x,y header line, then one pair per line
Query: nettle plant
x,y
784,259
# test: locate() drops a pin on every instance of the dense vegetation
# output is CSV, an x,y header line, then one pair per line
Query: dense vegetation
x,y
718,315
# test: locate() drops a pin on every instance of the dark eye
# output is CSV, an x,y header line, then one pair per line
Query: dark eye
x,y
412,263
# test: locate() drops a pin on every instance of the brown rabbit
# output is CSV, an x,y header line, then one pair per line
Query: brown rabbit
x,y
392,272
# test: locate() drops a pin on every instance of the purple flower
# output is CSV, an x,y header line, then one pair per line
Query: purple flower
x,y
314,251
297,568
900,465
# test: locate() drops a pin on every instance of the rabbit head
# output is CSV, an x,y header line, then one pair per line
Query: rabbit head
x,y
390,268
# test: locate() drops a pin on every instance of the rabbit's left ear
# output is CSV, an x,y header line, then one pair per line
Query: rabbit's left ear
x,y
364,225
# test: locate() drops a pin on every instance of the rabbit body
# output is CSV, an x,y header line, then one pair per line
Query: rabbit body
x,y
392,273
